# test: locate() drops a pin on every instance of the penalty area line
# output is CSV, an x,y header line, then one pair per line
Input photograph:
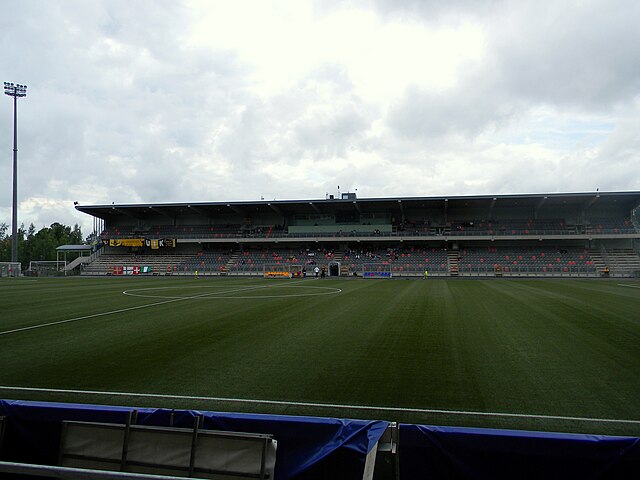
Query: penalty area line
x,y
627,285
320,405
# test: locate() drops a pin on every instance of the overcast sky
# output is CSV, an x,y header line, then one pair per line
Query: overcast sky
x,y
174,101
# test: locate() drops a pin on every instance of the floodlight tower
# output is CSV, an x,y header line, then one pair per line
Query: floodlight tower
x,y
15,91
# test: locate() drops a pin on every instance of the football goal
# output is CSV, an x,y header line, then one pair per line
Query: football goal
x,y
10,269
46,268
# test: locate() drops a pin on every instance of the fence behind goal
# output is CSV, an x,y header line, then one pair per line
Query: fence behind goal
x,y
10,269
46,268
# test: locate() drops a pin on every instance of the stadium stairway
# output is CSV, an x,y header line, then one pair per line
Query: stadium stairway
x,y
623,262
232,262
598,260
453,262
70,266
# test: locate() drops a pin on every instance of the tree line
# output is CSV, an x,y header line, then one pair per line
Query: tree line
x,y
40,245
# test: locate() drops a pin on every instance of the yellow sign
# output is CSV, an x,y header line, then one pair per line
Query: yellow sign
x,y
127,242
277,274
156,243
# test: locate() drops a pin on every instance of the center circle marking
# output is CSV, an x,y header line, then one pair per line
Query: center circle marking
x,y
231,292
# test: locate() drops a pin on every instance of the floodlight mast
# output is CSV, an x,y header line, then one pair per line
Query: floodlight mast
x,y
15,91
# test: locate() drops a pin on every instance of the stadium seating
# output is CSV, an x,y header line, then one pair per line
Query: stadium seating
x,y
458,228
511,227
398,260
525,260
253,260
608,225
161,264
211,260
402,261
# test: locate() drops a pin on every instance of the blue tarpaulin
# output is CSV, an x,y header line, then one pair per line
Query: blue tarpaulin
x,y
428,452
308,447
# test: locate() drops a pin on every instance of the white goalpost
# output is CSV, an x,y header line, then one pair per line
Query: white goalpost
x,y
10,269
46,268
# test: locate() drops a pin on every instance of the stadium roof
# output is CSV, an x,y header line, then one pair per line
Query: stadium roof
x,y
368,205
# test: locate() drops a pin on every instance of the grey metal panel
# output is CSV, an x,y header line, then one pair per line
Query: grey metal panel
x,y
166,450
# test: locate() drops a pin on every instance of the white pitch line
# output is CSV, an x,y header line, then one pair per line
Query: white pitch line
x,y
627,285
121,310
59,322
202,295
319,405
222,294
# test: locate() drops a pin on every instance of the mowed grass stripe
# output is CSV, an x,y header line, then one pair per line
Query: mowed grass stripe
x,y
534,347
562,354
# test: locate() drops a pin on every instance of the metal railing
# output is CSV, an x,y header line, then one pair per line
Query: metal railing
x,y
397,234
70,473
490,271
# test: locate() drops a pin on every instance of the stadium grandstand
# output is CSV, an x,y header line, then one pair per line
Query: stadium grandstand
x,y
569,235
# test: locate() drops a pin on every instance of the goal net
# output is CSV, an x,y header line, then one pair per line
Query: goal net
x,y
46,268
283,270
376,270
10,269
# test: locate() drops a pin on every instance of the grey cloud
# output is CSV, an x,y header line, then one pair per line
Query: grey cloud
x,y
330,136
582,56
245,143
576,58
424,115
336,120
148,104
431,11
616,164
319,118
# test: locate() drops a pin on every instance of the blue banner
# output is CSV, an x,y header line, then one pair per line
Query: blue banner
x,y
454,452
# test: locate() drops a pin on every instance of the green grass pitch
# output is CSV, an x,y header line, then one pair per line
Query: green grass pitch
x,y
558,355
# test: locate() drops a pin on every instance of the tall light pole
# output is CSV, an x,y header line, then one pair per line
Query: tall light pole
x,y
15,91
